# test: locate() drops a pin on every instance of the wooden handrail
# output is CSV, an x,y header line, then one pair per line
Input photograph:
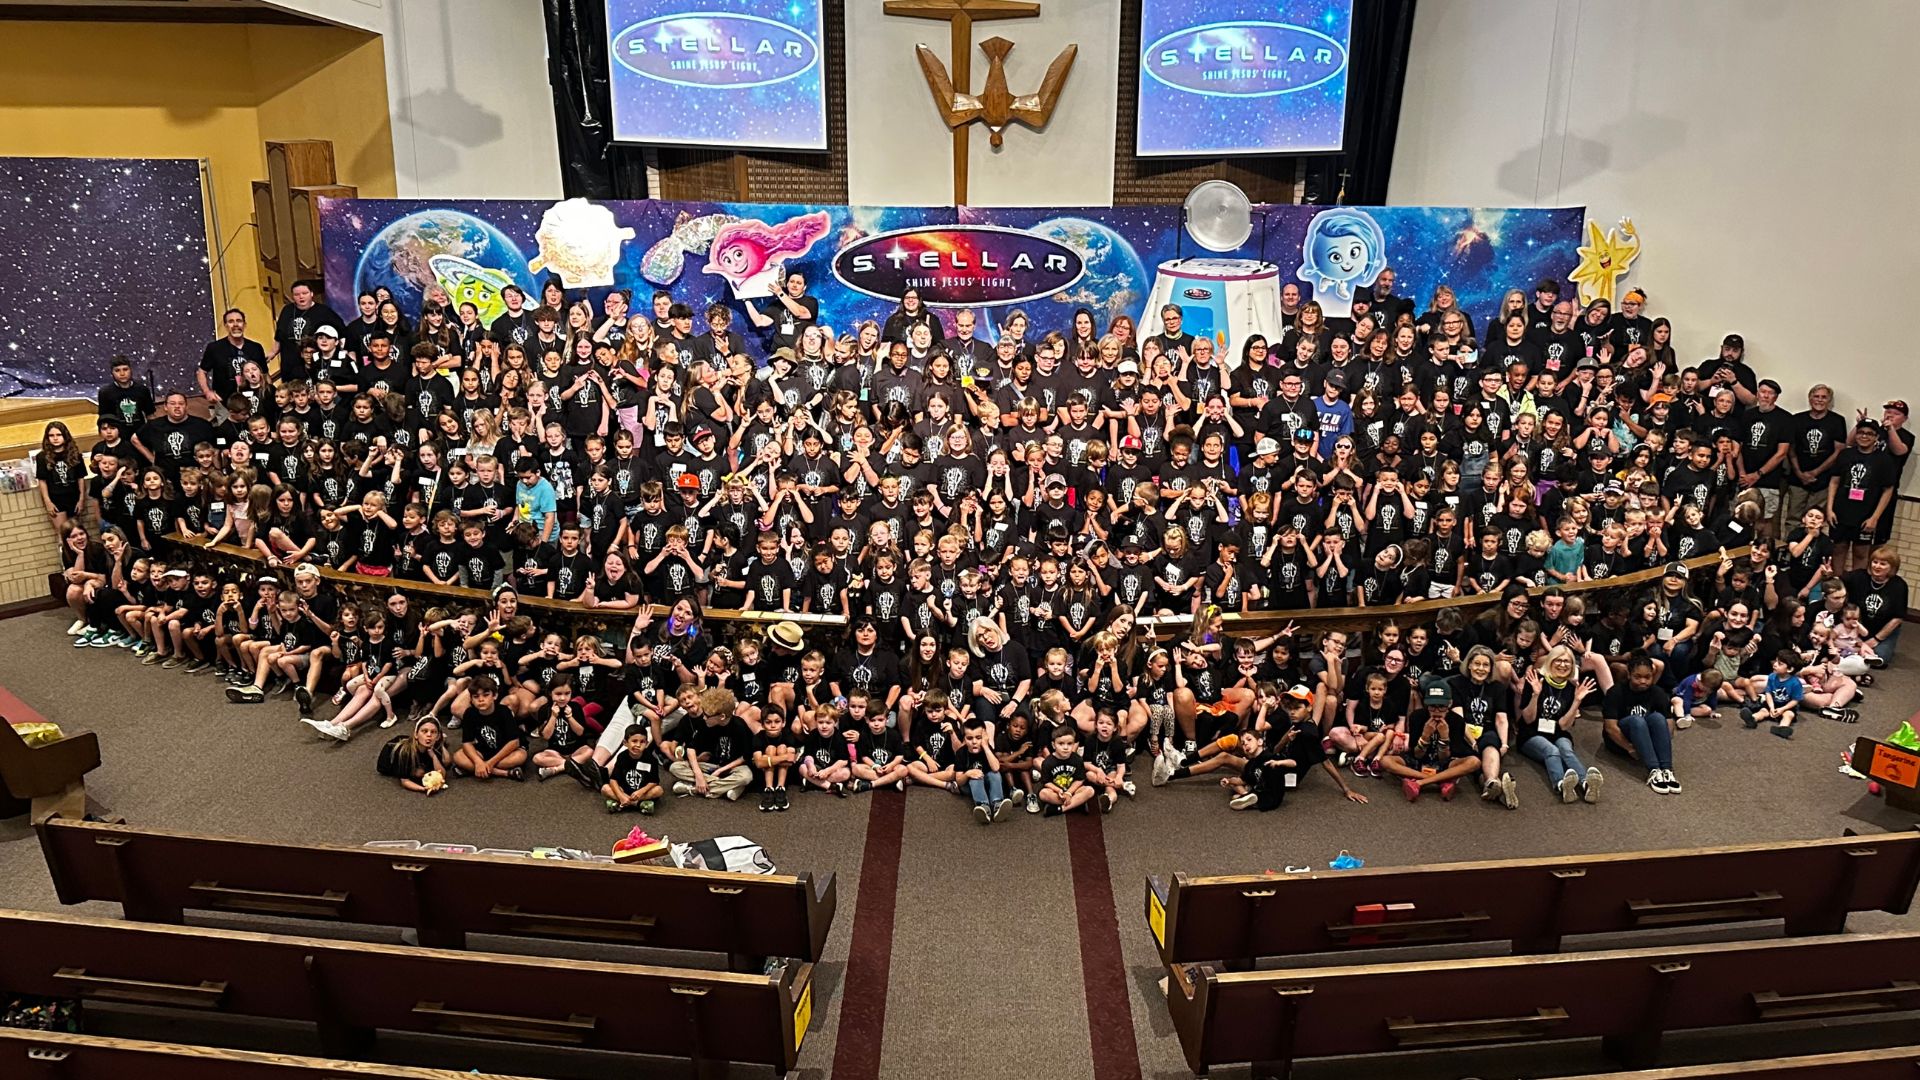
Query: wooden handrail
x,y
1338,618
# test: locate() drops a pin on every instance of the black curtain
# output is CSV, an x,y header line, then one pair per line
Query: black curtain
x,y
592,165
1376,77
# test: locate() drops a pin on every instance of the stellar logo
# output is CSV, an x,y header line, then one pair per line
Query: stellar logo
x,y
715,49
959,265
1197,293
1245,59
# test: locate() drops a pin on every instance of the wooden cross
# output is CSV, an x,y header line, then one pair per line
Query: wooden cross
x,y
960,15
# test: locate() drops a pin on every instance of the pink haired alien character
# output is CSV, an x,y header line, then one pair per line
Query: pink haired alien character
x,y
750,254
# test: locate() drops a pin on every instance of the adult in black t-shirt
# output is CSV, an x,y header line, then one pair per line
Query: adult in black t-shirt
x,y
303,313
168,440
1819,434
787,314
1882,596
224,358
1173,341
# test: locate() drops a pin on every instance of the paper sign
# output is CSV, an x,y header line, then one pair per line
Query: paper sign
x,y
1157,918
1901,768
802,1015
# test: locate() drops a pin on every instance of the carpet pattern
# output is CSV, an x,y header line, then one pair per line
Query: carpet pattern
x,y
960,950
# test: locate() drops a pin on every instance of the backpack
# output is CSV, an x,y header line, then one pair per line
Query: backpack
x,y
390,761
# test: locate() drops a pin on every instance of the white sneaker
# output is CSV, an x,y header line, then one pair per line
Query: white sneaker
x,y
339,731
1569,786
1162,768
1126,787
319,726
390,721
1509,792
1590,791
682,788
77,626
1243,802
1683,721
1673,782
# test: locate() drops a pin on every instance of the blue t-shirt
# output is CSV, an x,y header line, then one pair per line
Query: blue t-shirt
x,y
535,502
1782,691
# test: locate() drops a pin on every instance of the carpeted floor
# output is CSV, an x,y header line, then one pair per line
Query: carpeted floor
x,y
968,951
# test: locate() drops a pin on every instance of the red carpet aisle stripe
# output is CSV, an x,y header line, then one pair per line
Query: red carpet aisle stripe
x,y
1109,1011
863,996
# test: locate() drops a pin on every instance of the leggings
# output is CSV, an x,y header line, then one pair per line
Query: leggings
x,y
1651,739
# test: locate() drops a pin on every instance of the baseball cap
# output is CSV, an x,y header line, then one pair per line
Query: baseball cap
x,y
1337,379
1613,488
1676,569
781,353
1304,435
1438,692
1127,367
703,432
1734,341
1055,480
1299,692
1265,446
1898,404
1869,424
687,482
1599,450
326,331
306,569
1661,398
1129,442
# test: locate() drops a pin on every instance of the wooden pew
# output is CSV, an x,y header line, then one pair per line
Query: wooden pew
x,y
1812,884
46,779
1900,1063
351,990
156,876
1628,999
60,1056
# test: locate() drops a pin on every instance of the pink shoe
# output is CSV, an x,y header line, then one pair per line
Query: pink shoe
x,y
1412,788
1447,789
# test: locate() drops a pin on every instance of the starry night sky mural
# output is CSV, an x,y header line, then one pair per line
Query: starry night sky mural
x,y
101,256
406,245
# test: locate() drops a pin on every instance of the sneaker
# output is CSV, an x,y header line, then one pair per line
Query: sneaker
x,y
1490,790
171,663
1341,759
1673,782
1590,791
646,807
1033,806
391,720
140,648
839,790
682,789
1447,788
319,726
1001,808
305,698
859,786
149,660
76,628
899,785
195,667
733,794
339,731
1683,721
1785,731
1412,789
246,695
1569,786
1243,802
583,773
1106,802
1051,811
1657,780
766,800
981,814
780,798
101,641
339,696
1509,792
545,772
1017,796
1162,769
613,806
1747,719
1845,716
1127,789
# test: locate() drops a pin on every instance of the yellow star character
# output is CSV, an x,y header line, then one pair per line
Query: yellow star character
x,y
1605,260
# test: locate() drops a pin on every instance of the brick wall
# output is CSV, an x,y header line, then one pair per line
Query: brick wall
x,y
28,552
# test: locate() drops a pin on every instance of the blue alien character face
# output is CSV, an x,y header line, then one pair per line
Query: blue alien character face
x,y
1340,258
1343,248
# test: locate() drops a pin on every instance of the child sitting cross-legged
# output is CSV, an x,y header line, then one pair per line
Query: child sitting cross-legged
x,y
776,751
930,760
633,776
495,742
1063,774
827,761
1777,694
1106,757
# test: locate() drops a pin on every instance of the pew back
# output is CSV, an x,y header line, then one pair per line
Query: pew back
x,y
61,1056
1811,884
156,876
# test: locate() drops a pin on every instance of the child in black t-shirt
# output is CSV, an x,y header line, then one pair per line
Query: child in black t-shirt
x,y
976,763
633,776
931,757
882,757
1261,783
1013,747
495,743
1105,753
564,727
1063,775
827,761
775,751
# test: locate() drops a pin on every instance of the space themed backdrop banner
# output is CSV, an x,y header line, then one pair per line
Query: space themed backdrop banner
x,y
859,259
101,256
